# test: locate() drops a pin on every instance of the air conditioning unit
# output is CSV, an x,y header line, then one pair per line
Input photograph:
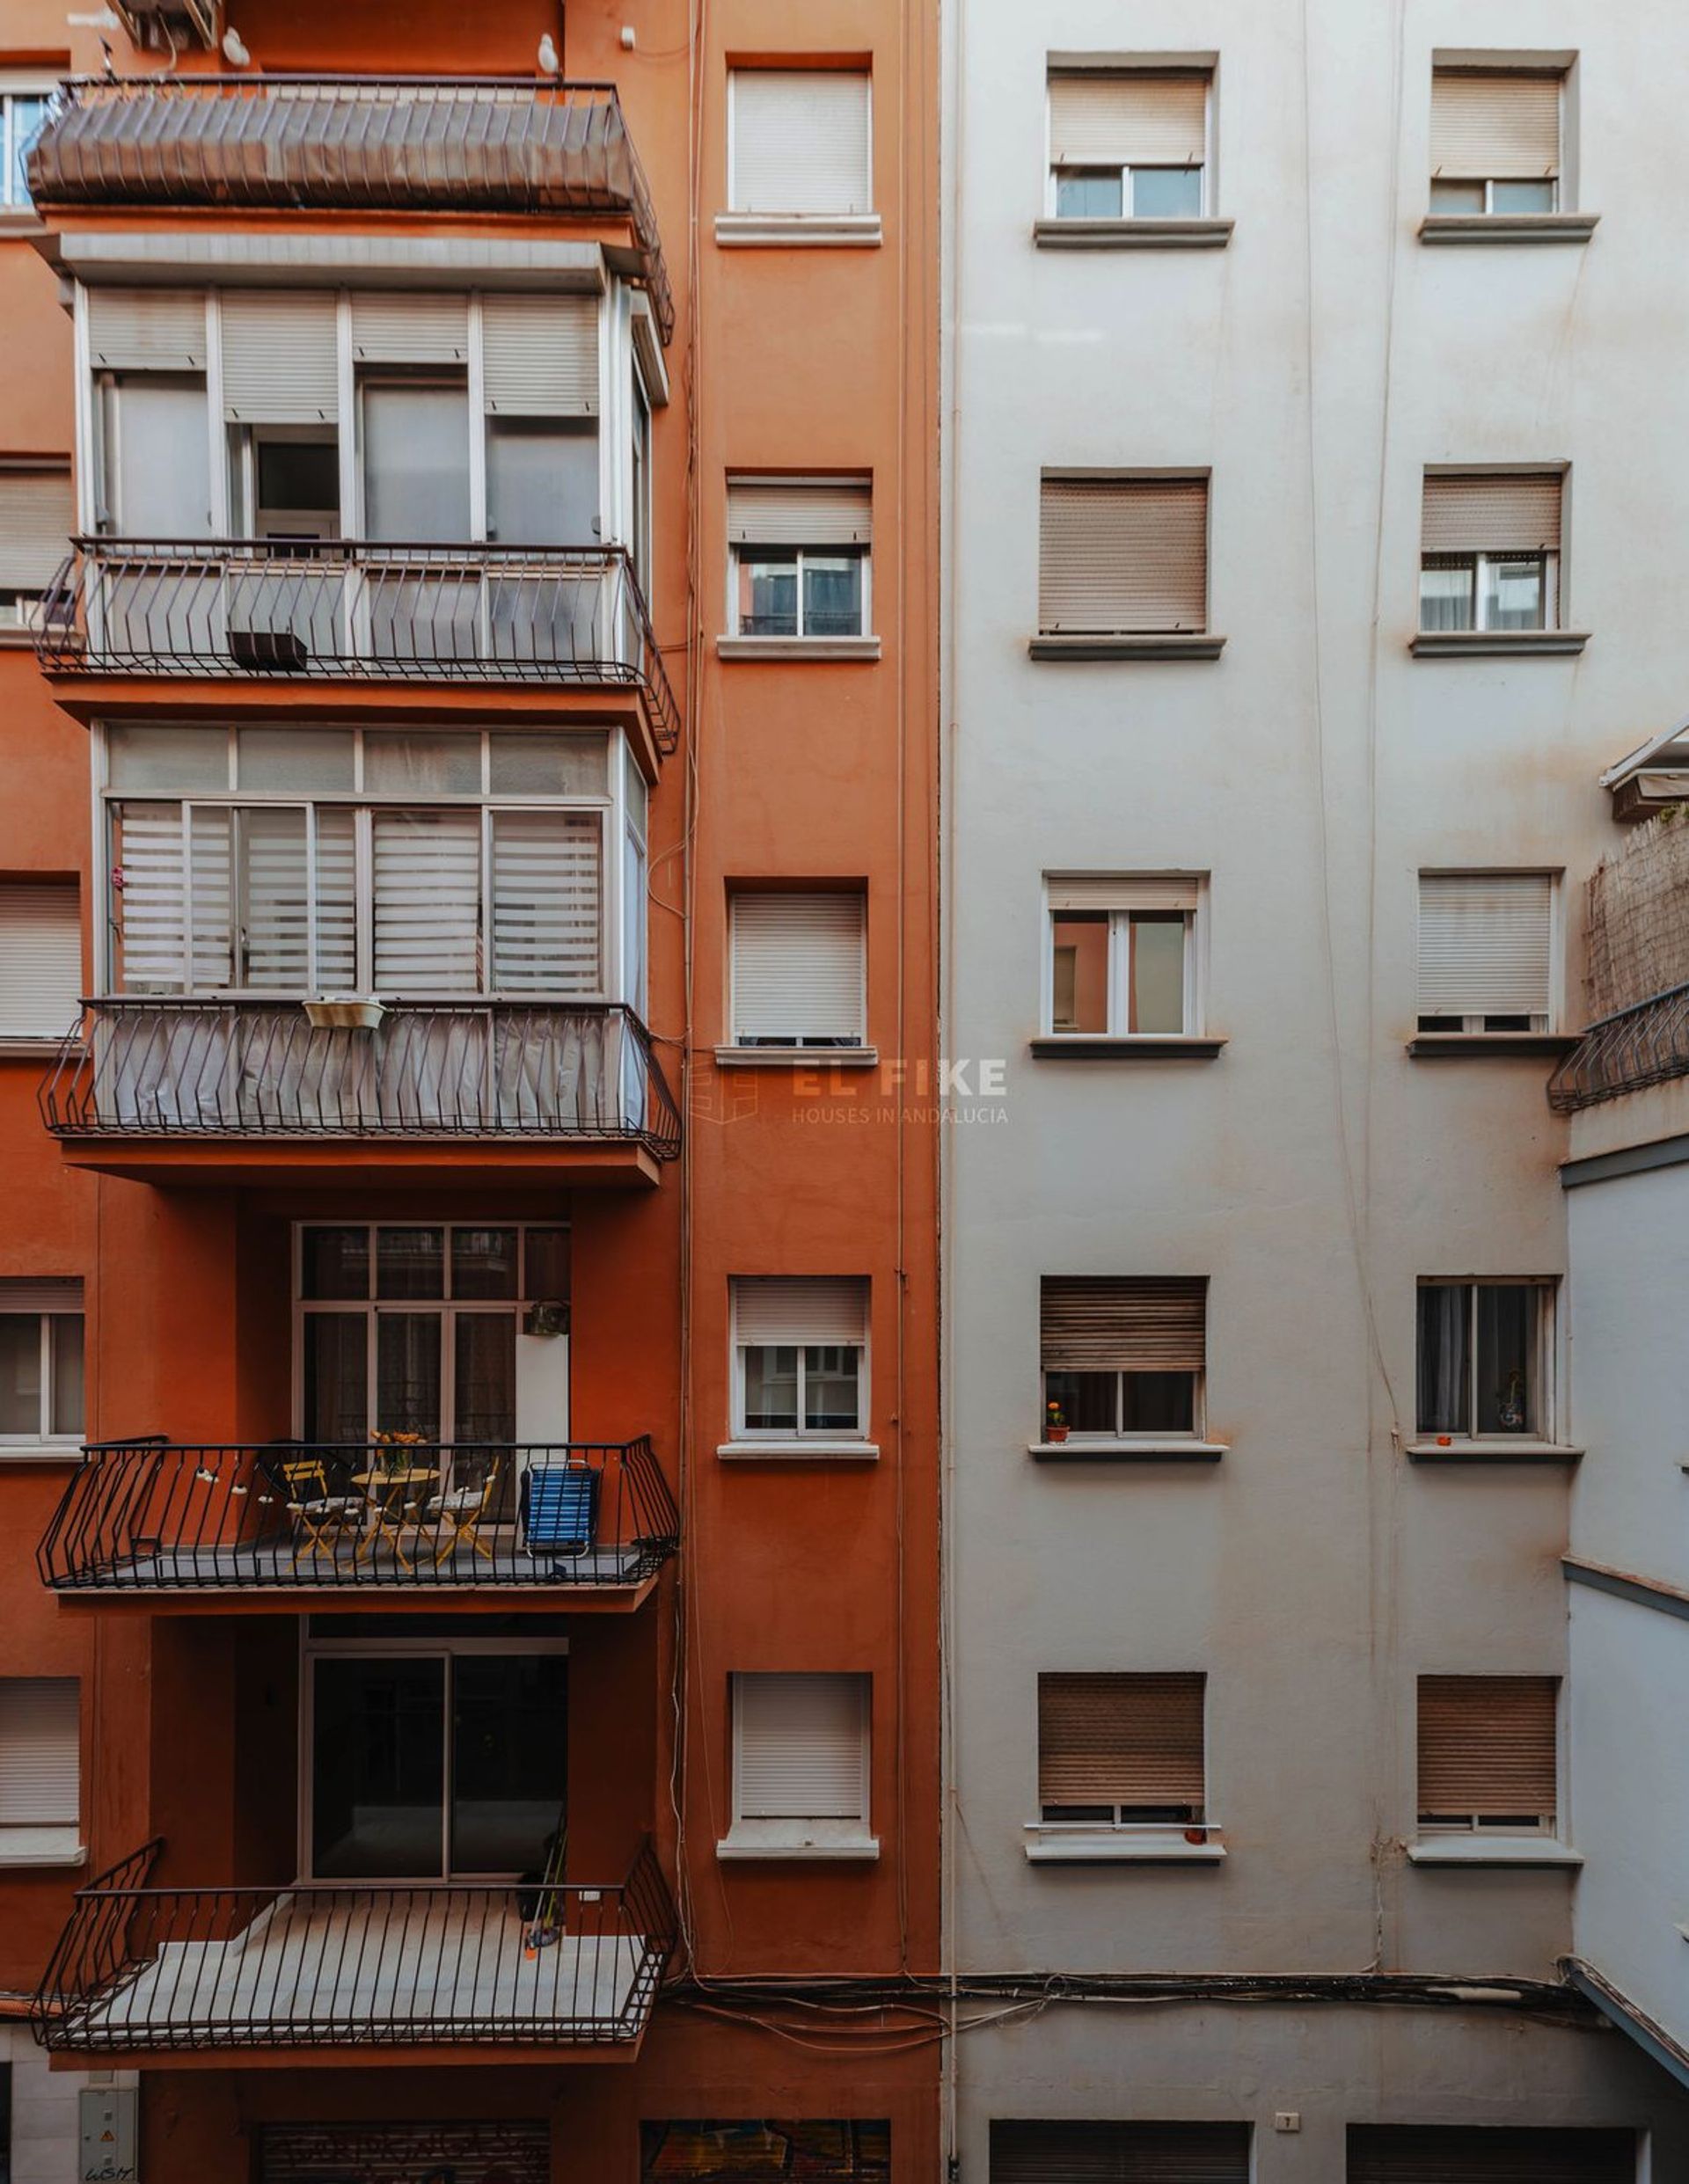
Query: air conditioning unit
x,y
166,26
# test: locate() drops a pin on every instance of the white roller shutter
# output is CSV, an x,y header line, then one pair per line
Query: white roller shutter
x,y
540,355
546,902
428,874
797,968
279,358
800,511
167,888
397,329
801,1747
40,959
1495,125
1493,512
38,513
146,330
1172,894
45,1293
1131,119
800,1309
1485,943
1119,555
41,1765
800,140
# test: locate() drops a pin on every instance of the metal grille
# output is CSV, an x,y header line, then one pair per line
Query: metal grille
x,y
1626,1052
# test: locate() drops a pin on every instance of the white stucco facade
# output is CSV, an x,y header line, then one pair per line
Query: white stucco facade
x,y
1314,366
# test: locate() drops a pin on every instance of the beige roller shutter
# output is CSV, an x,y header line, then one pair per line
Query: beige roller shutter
x,y
40,1768
1121,555
1430,2153
399,329
43,1293
1049,2152
1485,943
1172,894
1115,1739
146,330
40,959
800,140
800,511
279,358
801,1747
800,1309
1131,118
1123,1323
38,513
797,968
1486,1745
540,355
1493,512
1495,125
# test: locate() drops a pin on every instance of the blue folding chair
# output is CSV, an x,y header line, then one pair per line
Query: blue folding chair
x,y
559,1509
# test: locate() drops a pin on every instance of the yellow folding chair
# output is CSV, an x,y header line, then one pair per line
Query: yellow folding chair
x,y
464,1510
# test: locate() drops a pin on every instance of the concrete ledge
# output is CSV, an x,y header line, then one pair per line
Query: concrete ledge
x,y
23,1848
765,649
797,1057
1106,1848
1523,1450
1481,1046
1508,227
1498,643
789,1840
1141,1046
1100,1448
1135,645
798,231
1132,234
1480,1849
805,1451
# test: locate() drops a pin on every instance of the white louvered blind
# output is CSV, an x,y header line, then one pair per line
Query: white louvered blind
x,y
40,959
1120,1738
1125,1323
38,513
1118,555
399,329
798,1309
427,905
546,903
1515,512
1485,943
1486,1745
1432,2153
1129,118
540,355
337,905
275,899
800,512
1495,124
41,1771
798,967
279,357
146,330
1170,894
800,139
173,906
802,1746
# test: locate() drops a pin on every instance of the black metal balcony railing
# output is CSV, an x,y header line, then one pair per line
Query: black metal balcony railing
x,y
270,610
155,1517
142,1968
279,143
1634,1047
189,1069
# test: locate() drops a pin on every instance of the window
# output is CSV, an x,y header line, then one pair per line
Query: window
x,y
799,1765
23,109
1121,963
38,514
40,1361
829,2152
1048,2152
41,1769
1414,2153
799,1356
1128,144
800,141
797,966
1495,140
1486,949
799,549
1490,559
1122,556
40,958
1485,1347
1123,1354
1487,1752
1119,1750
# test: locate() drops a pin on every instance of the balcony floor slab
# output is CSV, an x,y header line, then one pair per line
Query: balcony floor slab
x,y
224,1163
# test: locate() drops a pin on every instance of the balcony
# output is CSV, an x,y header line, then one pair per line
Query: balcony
x,y
226,1091
359,1526
140,1969
284,614
1645,1044
379,145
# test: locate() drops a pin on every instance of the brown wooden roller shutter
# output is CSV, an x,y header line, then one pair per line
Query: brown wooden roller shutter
x,y
1115,1739
1495,124
1487,1743
1443,2154
1133,119
1515,512
1123,1323
1120,2153
1122,555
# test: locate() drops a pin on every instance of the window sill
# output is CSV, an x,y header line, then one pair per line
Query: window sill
x,y
17,640
1492,1849
1498,643
797,1057
1108,1846
21,1848
20,1049
789,1839
1106,1448
798,231
1142,645
809,1450
21,223
797,648
1475,1045
40,1453
1508,227
1523,1450
1132,234
1140,1047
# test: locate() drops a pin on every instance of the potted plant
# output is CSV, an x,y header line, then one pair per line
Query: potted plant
x,y
394,1449
345,1011
1055,1422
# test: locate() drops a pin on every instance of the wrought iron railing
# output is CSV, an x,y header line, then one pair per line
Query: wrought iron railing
x,y
271,609
188,1069
141,1968
385,143
1633,1048
150,1515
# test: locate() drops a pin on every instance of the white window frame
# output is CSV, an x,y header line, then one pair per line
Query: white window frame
x,y
49,1435
1481,564
863,554
1543,1398
1053,173
1491,184
1430,1025
1195,978
17,84
1155,1435
776,1436
760,1836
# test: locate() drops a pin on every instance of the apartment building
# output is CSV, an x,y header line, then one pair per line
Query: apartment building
x,y
468,1662
1310,375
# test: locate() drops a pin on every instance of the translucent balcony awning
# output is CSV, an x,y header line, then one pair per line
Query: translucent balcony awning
x,y
355,144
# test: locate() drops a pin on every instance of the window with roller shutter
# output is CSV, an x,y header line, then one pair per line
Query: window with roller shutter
x,y
800,551
42,1352
1422,2153
1049,2152
1490,551
1128,143
1487,1753
1486,951
38,514
801,1764
1123,1355
1121,557
41,1769
1121,1750
1495,140
800,143
796,968
800,1357
40,958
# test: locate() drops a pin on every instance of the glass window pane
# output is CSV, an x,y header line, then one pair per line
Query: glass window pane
x,y
161,488
20,1374
1445,592
1456,197
378,1769
336,1378
542,482
771,1387
831,1388
296,477
546,1269
396,763
407,1373
484,1262
1513,595
1444,1357
1158,1402
1080,939
1088,194
1507,1331
305,761
410,1262
166,759
416,464
509,1760
1524,196
1166,193
768,592
543,764
1089,1400
485,1392
1157,995
65,1415
28,110
334,1262
832,594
